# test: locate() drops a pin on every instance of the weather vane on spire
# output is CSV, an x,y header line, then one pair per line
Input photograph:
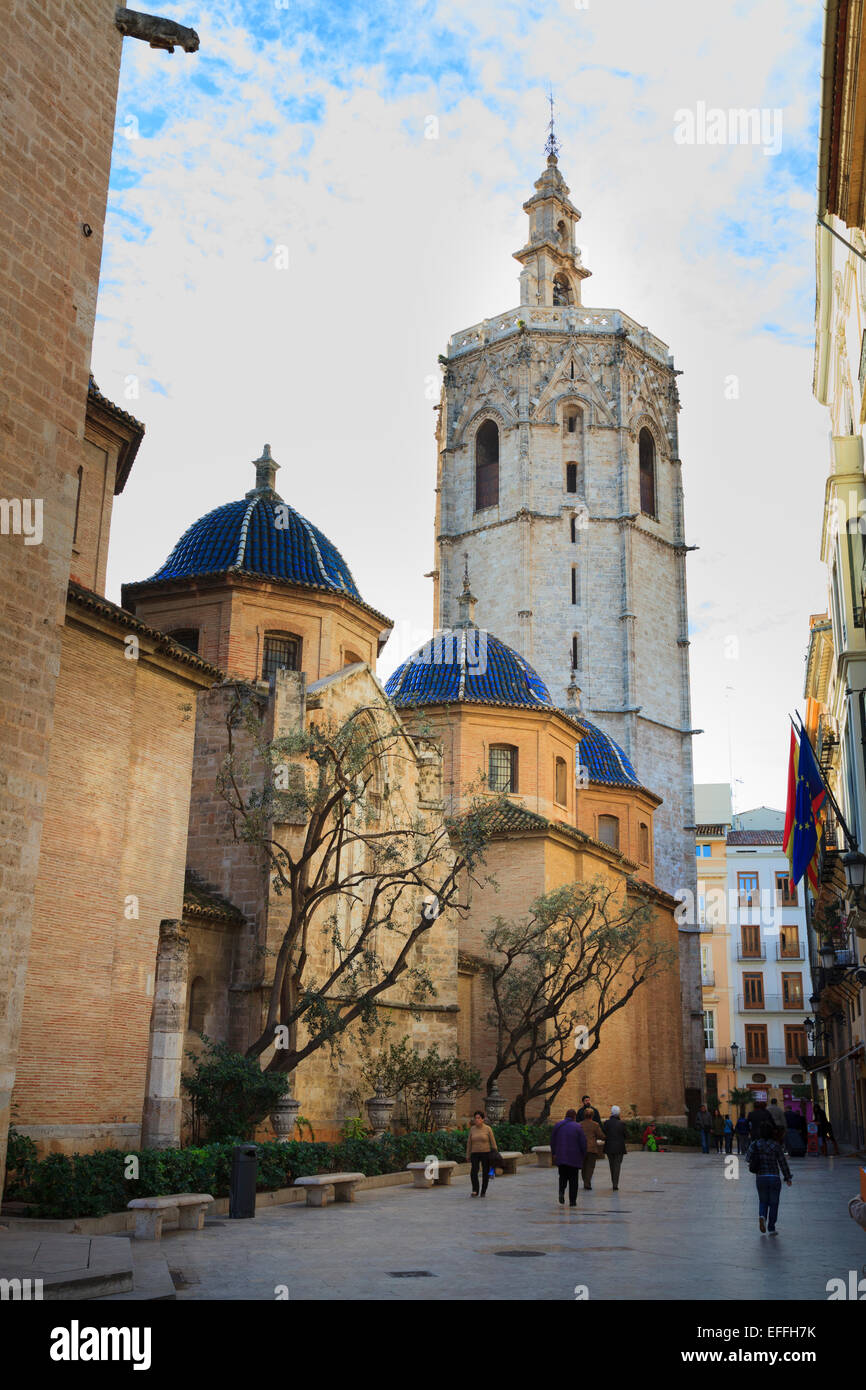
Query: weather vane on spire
x,y
552,144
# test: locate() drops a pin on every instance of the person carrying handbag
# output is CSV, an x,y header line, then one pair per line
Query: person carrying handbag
x,y
480,1151
594,1148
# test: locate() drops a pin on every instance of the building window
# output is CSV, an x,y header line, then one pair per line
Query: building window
x,y
77,504
502,768
753,991
789,943
561,782
195,1020
747,890
282,653
756,1044
574,583
571,477
575,653
574,530
487,466
795,1044
709,1029
750,941
707,977
785,895
643,843
608,831
187,637
572,419
703,851
647,463
792,990
562,291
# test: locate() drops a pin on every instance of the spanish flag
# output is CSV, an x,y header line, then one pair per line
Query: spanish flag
x,y
806,794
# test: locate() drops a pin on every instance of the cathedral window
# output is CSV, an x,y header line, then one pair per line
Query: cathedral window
x,y
574,583
562,291
574,530
575,653
187,637
561,792
572,419
77,504
643,843
647,463
195,1021
282,653
502,768
571,477
608,831
487,466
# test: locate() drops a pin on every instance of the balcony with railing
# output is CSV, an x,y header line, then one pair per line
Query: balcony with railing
x,y
558,319
708,978
789,951
719,1056
749,952
771,1057
769,1004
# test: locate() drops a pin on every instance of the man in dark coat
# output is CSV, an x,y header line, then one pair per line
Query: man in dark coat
x,y
587,1111
568,1151
757,1119
614,1144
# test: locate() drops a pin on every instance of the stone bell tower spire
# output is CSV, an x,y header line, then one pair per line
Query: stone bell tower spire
x,y
266,475
552,269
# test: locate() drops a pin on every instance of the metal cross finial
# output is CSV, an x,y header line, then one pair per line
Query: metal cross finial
x,y
552,144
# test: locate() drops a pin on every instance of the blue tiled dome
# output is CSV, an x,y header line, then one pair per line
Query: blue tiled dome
x,y
259,535
603,759
471,666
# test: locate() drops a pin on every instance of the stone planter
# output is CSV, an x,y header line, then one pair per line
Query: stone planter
x,y
495,1105
442,1109
379,1109
283,1118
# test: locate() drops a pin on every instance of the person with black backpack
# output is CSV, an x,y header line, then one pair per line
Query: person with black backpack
x,y
765,1159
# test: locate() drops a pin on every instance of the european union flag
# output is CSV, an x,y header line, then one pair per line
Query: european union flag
x,y
810,796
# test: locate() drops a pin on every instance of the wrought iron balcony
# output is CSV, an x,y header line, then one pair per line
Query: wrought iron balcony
x,y
770,1004
789,952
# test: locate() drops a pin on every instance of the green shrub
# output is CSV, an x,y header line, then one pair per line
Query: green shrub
x,y
230,1093
20,1162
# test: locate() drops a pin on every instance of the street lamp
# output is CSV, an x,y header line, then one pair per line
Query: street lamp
x,y
814,1002
854,864
827,954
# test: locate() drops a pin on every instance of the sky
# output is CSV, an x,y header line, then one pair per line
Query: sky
x,y
303,212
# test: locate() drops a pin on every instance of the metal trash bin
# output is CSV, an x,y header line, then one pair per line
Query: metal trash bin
x,y
242,1193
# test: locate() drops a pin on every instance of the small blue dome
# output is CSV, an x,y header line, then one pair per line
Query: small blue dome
x,y
259,535
603,759
471,666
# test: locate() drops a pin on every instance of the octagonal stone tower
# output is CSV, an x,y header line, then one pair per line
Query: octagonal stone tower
x,y
559,478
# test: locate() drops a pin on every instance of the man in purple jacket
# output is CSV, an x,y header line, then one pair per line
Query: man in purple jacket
x,y
568,1150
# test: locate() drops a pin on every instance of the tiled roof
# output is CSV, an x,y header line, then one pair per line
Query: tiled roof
x,y
86,598
512,819
603,759
469,666
96,395
261,536
201,901
710,830
754,837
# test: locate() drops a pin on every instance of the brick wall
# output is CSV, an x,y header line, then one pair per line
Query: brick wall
x,y
59,68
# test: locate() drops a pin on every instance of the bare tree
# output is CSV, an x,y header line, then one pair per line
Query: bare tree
x,y
365,873
557,977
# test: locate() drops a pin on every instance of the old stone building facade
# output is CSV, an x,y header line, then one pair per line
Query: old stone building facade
x,y
559,480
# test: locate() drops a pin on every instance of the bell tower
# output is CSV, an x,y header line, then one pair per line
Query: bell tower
x,y
559,478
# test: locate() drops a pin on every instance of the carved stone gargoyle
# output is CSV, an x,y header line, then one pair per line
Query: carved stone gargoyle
x,y
159,33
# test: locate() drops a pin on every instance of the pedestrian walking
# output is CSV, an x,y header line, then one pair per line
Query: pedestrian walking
x,y
717,1127
796,1134
769,1165
587,1109
741,1129
594,1135
825,1131
757,1118
729,1134
614,1144
480,1148
705,1124
568,1150
777,1115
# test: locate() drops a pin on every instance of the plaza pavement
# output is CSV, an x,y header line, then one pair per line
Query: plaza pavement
x,y
677,1229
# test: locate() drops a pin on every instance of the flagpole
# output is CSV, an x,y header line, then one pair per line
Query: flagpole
x,y
852,843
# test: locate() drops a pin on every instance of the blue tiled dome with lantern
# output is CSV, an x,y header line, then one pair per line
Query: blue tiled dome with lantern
x,y
262,535
469,665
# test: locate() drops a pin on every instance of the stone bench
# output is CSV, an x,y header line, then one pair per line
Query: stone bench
x,y
343,1185
509,1162
150,1212
543,1155
442,1171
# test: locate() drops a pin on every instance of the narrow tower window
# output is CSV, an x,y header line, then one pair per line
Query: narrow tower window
x,y
574,583
487,466
574,530
575,653
562,293
571,477
502,768
186,636
77,504
647,461
608,831
561,791
282,653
